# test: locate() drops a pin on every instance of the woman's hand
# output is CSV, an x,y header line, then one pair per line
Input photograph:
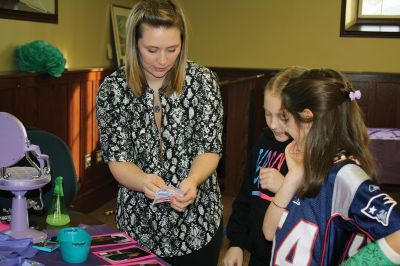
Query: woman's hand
x,y
189,188
270,179
151,184
233,257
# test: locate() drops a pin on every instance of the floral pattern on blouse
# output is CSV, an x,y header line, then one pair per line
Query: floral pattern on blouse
x,y
191,125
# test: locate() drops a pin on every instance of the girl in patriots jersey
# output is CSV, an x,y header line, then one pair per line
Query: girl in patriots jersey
x,y
263,176
329,194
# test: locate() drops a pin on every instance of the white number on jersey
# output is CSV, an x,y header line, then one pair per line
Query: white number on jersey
x,y
297,247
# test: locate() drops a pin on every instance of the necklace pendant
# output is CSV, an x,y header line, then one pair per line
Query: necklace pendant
x,y
157,109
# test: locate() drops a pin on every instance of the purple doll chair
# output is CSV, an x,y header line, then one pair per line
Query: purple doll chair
x,y
14,145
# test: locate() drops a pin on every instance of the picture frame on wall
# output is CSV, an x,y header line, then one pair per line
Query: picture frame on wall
x,y
32,10
119,15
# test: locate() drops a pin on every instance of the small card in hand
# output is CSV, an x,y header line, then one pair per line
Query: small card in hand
x,y
46,245
166,194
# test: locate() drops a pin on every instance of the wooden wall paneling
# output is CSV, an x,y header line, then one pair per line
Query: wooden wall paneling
x,y
52,115
85,135
87,128
380,97
237,106
388,102
74,125
17,97
7,88
97,179
25,101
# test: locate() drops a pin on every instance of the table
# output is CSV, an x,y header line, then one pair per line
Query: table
x,y
54,258
385,148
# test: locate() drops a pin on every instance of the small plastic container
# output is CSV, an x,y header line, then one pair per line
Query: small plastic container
x,y
74,244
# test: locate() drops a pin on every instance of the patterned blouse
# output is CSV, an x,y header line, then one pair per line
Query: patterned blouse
x,y
191,125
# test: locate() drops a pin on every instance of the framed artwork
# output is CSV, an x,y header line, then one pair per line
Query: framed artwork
x,y
119,16
32,10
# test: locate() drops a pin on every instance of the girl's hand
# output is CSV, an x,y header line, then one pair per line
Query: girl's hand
x,y
294,155
270,179
151,184
189,188
233,257
294,159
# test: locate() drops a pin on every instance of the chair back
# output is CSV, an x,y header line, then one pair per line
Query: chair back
x,y
61,164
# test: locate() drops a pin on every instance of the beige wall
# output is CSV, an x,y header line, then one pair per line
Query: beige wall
x,y
230,33
279,33
82,33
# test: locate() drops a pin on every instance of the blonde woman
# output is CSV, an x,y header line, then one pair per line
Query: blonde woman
x,y
160,122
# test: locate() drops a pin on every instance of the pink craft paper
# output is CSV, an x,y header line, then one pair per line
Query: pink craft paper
x,y
4,227
140,257
128,240
145,262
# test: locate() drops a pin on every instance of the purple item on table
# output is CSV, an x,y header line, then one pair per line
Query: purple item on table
x,y
385,148
15,251
384,133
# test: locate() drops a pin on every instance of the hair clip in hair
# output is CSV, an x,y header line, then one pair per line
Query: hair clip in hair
x,y
356,95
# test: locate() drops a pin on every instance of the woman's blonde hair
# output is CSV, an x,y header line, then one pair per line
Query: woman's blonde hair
x,y
155,13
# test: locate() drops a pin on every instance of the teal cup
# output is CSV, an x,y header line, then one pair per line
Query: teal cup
x,y
74,244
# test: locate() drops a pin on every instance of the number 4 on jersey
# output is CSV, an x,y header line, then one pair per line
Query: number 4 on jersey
x,y
297,246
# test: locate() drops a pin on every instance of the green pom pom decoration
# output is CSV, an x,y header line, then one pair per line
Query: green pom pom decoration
x,y
40,56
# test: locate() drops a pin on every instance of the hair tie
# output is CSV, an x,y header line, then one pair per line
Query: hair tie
x,y
356,95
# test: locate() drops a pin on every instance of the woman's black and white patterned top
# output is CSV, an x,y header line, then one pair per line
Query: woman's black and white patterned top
x,y
191,125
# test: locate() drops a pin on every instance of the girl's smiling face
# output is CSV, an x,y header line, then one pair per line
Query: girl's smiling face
x,y
274,116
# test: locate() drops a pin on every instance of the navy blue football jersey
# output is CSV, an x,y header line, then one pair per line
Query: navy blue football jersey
x,y
322,230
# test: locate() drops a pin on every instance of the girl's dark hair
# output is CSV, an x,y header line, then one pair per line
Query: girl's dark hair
x,y
337,124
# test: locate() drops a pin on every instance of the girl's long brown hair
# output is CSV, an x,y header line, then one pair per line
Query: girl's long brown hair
x,y
337,124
